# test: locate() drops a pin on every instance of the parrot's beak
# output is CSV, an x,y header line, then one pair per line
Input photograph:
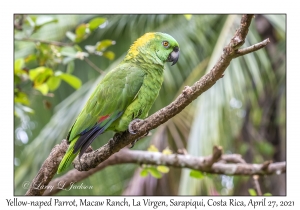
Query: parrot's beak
x,y
174,56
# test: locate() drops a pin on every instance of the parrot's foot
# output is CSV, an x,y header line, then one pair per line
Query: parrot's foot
x,y
130,126
80,163
133,143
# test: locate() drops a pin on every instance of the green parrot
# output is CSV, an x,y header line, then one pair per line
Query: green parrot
x,y
125,94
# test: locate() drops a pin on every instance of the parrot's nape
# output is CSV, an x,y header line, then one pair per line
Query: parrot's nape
x,y
125,94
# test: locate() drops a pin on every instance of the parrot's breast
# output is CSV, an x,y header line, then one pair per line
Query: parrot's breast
x,y
143,101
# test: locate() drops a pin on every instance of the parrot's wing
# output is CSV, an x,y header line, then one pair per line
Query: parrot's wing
x,y
108,102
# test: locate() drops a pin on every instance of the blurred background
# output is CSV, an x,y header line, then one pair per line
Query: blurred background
x,y
59,59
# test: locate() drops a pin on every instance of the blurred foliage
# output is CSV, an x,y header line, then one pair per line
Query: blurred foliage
x,y
244,112
155,171
252,192
40,68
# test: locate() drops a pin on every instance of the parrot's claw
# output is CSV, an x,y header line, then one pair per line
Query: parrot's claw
x,y
133,143
130,129
80,163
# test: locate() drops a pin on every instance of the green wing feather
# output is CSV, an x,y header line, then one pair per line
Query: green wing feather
x,y
108,102
68,158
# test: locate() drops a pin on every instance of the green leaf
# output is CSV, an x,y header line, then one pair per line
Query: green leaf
x,y
34,73
53,83
43,20
70,79
71,36
144,172
152,148
68,51
163,169
19,72
19,63
30,57
167,151
101,46
31,20
70,67
267,194
95,23
40,75
109,54
188,17
21,98
31,60
45,53
154,172
196,174
80,32
43,88
252,192
17,79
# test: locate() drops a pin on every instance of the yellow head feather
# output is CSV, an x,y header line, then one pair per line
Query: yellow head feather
x,y
133,51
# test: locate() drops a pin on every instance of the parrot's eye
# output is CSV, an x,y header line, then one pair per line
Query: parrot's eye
x,y
165,44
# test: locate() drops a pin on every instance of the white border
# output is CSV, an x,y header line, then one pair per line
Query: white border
x,y
167,6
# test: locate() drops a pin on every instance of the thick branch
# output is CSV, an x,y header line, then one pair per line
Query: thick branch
x,y
214,164
48,169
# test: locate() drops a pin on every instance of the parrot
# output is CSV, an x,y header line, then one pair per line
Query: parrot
x,y
124,95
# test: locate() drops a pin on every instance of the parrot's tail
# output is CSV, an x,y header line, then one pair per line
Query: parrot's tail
x,y
68,158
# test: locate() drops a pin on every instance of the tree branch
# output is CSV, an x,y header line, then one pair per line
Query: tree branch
x,y
120,140
88,61
48,169
256,184
45,42
252,48
228,164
